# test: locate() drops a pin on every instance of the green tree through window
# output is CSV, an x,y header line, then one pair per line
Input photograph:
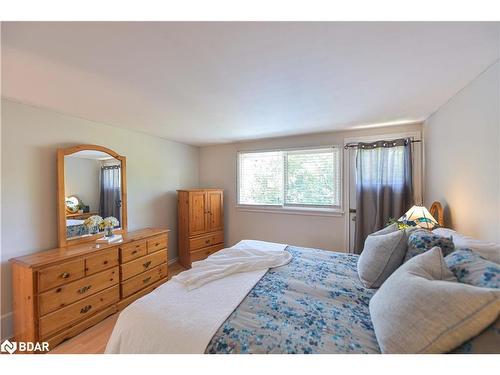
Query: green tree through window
x,y
290,178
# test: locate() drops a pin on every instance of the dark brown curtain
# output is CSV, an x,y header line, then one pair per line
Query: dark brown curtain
x,y
383,185
110,192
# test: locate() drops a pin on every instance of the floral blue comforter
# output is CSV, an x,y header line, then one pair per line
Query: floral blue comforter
x,y
76,231
315,304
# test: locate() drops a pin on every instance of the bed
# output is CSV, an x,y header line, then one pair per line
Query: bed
x,y
314,304
75,228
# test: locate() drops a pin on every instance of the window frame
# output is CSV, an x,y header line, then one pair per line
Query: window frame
x,y
300,209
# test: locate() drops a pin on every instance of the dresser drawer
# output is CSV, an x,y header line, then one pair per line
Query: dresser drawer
x,y
205,252
207,240
132,251
106,259
157,243
78,327
79,310
61,274
142,264
136,283
66,294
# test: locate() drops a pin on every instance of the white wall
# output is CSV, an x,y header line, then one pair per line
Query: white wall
x,y
30,137
462,157
218,170
82,179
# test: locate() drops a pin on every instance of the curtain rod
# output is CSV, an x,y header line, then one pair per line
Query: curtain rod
x,y
356,145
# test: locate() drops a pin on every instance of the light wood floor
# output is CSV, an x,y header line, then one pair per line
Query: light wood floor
x,y
94,339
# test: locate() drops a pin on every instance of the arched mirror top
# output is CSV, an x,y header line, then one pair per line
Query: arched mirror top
x,y
88,149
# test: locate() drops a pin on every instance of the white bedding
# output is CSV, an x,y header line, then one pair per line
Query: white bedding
x,y
230,261
173,319
73,222
488,250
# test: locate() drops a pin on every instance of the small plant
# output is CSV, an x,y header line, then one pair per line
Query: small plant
x,y
401,224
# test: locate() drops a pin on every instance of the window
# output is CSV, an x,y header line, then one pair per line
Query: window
x,y
307,178
383,167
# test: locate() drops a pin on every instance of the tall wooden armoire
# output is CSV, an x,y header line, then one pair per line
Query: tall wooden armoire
x,y
200,224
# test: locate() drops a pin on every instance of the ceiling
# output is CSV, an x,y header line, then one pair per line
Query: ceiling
x,y
205,83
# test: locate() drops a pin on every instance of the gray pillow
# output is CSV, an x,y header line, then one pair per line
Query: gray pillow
x,y
419,309
487,342
388,229
471,268
382,254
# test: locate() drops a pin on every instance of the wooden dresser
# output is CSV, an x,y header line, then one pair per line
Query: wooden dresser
x,y
200,224
59,293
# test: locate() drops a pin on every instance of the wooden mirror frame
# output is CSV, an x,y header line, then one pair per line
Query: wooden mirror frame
x,y
61,194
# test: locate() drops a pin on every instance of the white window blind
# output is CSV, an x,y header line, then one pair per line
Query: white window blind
x,y
292,178
261,178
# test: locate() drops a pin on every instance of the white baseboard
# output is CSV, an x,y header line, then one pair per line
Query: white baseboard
x,y
7,324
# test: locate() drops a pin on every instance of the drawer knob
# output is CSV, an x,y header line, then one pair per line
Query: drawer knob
x,y
85,309
84,289
157,244
207,241
137,245
105,262
146,279
65,275
147,264
134,252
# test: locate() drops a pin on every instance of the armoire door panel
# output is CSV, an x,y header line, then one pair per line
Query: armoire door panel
x,y
215,210
197,213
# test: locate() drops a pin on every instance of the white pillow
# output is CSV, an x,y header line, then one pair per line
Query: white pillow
x,y
419,310
488,250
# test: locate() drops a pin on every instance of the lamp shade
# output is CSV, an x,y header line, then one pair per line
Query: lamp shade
x,y
420,216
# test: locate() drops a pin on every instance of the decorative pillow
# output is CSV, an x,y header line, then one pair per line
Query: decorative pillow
x,y
487,342
488,250
388,229
382,254
419,309
471,268
421,240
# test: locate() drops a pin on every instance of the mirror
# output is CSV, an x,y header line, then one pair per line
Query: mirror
x,y
91,193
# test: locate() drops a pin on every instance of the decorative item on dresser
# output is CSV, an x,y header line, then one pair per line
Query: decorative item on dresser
x,y
201,224
59,293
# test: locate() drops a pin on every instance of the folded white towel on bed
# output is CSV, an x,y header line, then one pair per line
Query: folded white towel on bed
x,y
230,261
